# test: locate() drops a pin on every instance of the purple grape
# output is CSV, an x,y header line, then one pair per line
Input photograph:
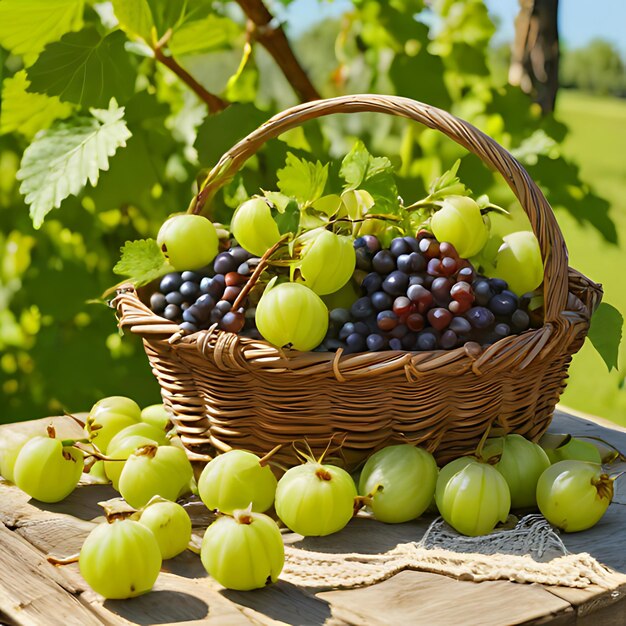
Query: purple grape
x,y
399,247
396,283
387,320
502,330
381,300
244,269
339,316
225,262
232,321
376,342
483,292
346,329
408,341
363,259
192,276
223,306
362,308
441,290
480,317
520,320
158,302
170,282
239,254
395,344
460,326
189,327
355,343
498,285
189,290
448,340
384,262
174,297
399,331
216,287
172,312
372,282
415,279
365,328
412,243
426,341
504,303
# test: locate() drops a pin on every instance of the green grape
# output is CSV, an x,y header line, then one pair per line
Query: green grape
x,y
170,525
574,495
156,415
474,498
575,450
141,428
235,480
46,470
122,449
188,242
120,560
327,261
154,471
253,227
519,262
10,446
460,223
243,552
292,314
344,298
521,463
403,480
116,404
314,499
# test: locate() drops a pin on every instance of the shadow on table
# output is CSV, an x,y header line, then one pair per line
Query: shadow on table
x,y
363,535
81,503
160,607
284,602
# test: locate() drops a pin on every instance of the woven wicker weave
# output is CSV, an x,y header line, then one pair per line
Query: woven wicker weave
x,y
230,391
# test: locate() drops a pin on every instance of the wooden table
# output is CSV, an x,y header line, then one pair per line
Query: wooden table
x,y
32,591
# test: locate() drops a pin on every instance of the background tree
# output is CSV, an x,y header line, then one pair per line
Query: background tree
x,y
535,58
111,112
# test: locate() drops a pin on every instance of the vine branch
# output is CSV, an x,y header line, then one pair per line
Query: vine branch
x,y
213,102
274,40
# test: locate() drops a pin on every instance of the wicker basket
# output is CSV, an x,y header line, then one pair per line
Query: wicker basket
x,y
229,391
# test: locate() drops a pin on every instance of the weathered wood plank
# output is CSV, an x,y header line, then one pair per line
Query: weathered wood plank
x,y
32,592
422,598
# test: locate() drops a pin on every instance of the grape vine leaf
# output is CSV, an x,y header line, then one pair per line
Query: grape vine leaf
x,y
211,33
302,179
25,112
135,17
61,159
373,174
26,26
142,261
85,68
605,333
288,220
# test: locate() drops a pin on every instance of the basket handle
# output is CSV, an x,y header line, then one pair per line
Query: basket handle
x,y
531,198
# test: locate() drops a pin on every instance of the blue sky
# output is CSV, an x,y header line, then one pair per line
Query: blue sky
x,y
579,20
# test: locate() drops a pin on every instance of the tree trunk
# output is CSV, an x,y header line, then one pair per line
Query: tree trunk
x,y
535,58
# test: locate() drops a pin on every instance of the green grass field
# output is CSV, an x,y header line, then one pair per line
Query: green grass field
x,y
597,141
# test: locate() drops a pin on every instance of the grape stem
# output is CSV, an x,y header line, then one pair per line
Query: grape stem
x,y
257,272
479,448
93,451
265,459
73,558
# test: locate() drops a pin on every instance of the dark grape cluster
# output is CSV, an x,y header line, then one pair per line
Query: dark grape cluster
x,y
420,295
198,299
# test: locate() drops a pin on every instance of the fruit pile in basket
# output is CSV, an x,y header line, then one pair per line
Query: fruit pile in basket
x,y
140,454
353,270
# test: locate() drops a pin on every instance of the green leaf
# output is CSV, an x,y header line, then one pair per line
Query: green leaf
x,y
372,174
211,33
135,18
63,158
288,220
605,333
26,26
85,68
142,261
25,112
302,180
